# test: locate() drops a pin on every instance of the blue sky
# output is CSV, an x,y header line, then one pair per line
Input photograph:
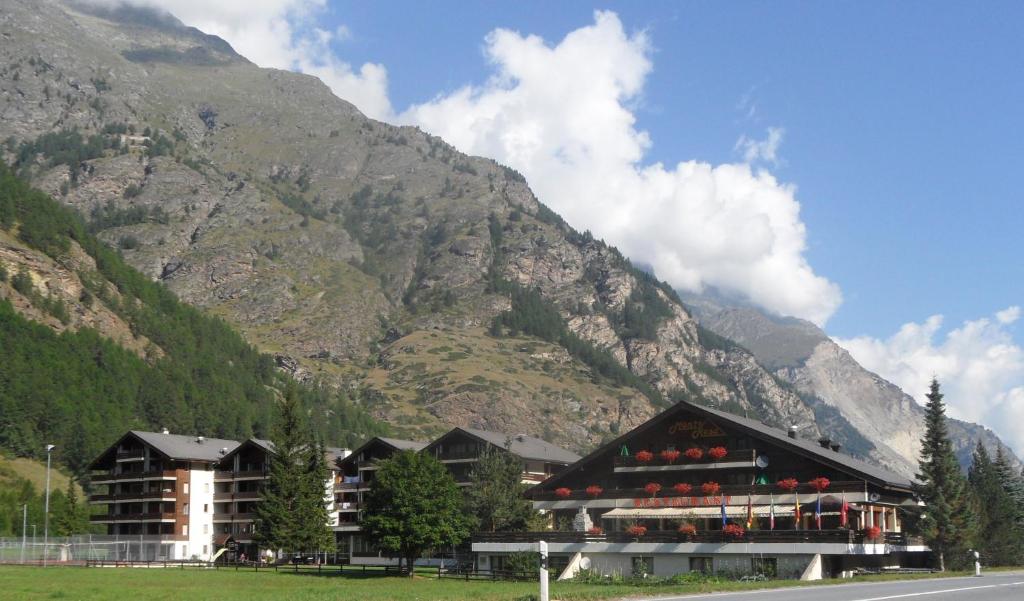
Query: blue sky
x,y
885,206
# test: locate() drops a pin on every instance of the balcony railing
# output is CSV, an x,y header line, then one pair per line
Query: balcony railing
x,y
132,517
151,475
233,517
683,462
223,475
849,537
132,496
138,455
347,485
728,490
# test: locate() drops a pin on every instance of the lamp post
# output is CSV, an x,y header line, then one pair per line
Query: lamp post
x,y
24,528
46,509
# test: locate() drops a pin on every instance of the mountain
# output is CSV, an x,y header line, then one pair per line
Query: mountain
x,y
431,287
89,348
802,355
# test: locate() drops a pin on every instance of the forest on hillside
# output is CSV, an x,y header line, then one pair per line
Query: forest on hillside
x,y
80,390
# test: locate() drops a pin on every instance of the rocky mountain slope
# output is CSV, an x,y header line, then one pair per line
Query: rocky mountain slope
x,y
803,355
374,257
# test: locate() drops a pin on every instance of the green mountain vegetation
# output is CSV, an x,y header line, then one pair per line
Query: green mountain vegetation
x,y
81,389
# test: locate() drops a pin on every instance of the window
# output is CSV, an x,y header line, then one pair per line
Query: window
x,y
184,530
206,487
206,528
204,549
701,564
184,550
206,508
769,566
184,509
643,566
184,488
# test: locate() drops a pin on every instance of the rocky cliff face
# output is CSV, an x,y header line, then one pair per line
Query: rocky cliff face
x,y
802,354
358,252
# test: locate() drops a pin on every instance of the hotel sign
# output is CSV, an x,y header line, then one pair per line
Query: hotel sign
x,y
655,502
697,428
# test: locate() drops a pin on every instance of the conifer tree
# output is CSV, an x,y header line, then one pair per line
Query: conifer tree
x,y
495,495
279,515
998,532
314,532
71,516
946,522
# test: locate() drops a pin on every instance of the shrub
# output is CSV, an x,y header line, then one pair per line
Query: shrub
x,y
22,282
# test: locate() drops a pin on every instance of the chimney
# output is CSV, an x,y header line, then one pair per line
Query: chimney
x,y
824,441
792,431
200,439
836,446
165,431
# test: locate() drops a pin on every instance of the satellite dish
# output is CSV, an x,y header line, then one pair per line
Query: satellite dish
x,y
874,497
585,563
761,461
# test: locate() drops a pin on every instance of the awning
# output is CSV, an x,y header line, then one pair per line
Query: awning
x,y
677,513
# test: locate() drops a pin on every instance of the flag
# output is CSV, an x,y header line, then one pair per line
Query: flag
x,y
844,513
817,512
750,512
796,513
723,511
771,512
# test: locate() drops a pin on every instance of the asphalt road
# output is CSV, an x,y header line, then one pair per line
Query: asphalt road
x,y
994,586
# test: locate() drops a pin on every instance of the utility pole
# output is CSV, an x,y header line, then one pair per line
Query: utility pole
x,y
46,509
24,529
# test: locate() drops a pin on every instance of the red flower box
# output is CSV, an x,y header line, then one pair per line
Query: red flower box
x,y
594,490
637,530
688,529
788,484
819,484
710,488
682,488
644,456
734,530
596,530
563,493
694,453
652,488
872,532
670,455
717,453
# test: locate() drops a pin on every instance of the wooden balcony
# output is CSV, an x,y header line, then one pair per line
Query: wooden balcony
x,y
154,495
133,517
227,476
729,490
738,458
234,517
134,476
848,537
137,455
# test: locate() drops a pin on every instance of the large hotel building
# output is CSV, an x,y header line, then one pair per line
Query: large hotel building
x,y
693,488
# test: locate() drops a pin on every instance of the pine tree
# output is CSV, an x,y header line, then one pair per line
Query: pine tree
x,y
946,522
279,515
314,534
998,538
495,495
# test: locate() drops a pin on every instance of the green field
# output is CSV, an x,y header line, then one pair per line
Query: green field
x,y
157,584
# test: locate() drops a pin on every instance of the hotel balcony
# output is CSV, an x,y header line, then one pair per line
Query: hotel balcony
x,y
727,490
152,495
227,476
132,517
137,455
233,517
348,507
732,459
134,476
843,537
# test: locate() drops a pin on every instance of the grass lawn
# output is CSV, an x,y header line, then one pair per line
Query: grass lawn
x,y
157,584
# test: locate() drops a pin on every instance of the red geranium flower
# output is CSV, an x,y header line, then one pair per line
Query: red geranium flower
x,y
819,484
733,530
652,488
637,530
595,530
710,488
872,532
717,453
563,492
644,456
669,455
594,490
688,529
682,488
694,453
789,484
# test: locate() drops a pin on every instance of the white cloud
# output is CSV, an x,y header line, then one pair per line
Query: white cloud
x,y
562,115
761,150
282,34
979,366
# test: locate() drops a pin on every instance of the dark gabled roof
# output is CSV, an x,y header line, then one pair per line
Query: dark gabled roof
x,y
265,445
835,459
395,443
524,446
176,446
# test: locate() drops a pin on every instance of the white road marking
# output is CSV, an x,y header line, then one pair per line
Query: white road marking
x,y
948,590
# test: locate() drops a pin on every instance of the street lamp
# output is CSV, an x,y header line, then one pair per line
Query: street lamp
x,y
46,509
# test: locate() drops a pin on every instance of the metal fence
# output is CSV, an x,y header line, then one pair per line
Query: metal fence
x,y
83,548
